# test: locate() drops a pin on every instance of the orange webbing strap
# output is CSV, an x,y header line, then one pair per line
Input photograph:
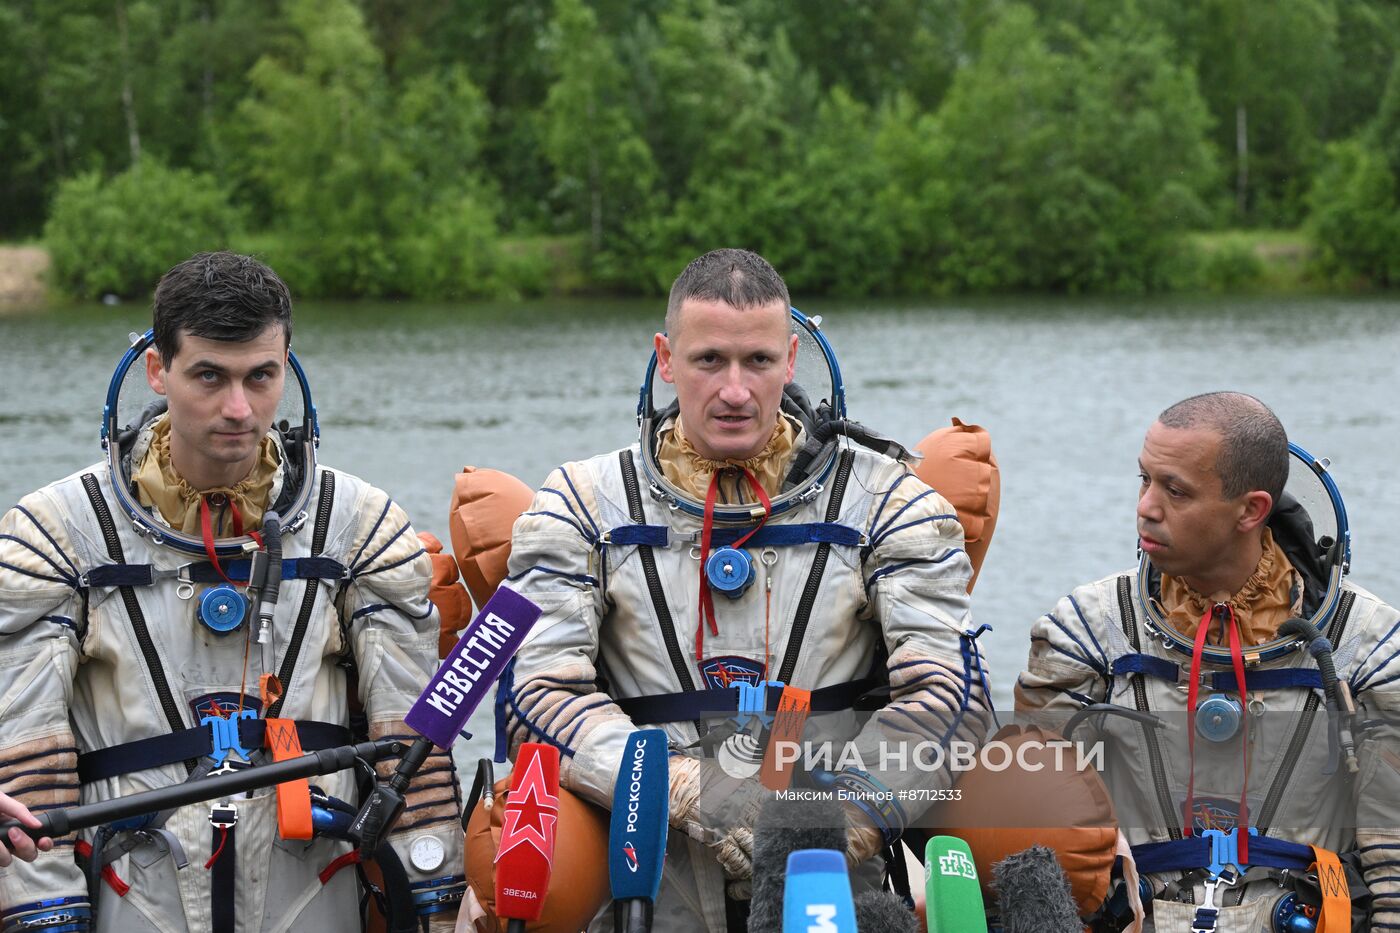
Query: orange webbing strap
x,y
293,797
1336,896
788,722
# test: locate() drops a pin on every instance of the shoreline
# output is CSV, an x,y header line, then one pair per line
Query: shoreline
x,y
24,273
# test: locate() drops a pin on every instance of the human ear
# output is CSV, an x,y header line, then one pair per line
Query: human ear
x,y
662,343
1257,506
155,371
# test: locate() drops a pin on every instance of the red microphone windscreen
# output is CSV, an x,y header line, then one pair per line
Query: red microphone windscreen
x,y
526,853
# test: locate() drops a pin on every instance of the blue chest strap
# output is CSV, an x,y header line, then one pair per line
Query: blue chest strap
x,y
767,536
293,568
1305,678
701,704
189,744
1202,851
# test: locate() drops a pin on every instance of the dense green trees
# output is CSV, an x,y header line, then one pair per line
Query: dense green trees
x,y
387,147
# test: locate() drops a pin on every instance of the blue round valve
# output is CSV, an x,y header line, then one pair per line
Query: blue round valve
x,y
1218,718
1289,916
222,608
730,571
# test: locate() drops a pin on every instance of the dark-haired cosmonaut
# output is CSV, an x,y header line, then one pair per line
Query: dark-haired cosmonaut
x,y
129,661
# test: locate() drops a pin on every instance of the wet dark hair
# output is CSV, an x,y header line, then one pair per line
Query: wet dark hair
x,y
737,277
1254,446
219,296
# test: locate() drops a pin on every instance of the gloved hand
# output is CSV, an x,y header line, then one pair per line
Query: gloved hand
x,y
717,810
863,840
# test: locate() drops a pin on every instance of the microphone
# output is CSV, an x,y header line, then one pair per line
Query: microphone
x,y
884,912
951,891
1033,895
784,827
817,896
525,856
637,831
466,675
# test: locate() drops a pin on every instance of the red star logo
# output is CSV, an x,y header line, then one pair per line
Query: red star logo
x,y
531,813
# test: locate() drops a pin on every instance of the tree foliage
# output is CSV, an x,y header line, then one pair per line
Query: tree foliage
x,y
388,147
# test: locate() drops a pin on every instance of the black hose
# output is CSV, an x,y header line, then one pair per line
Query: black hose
x,y
1321,649
1110,709
402,917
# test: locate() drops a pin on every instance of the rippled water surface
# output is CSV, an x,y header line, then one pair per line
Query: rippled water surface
x,y
409,393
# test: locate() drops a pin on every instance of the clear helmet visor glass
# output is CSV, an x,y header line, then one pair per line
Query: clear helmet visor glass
x,y
816,382
1310,524
132,405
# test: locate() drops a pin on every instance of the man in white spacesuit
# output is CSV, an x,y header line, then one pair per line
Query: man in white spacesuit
x,y
1243,558
746,541
130,661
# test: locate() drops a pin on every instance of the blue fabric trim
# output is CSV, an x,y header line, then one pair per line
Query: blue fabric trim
x,y
892,568
1100,668
884,500
1103,655
879,533
582,508
572,734
357,564
1309,678
576,522
875,542
538,568
46,753
60,620
369,610
293,568
45,532
560,518
383,567
70,578
1079,659
767,536
1195,852
370,537
39,576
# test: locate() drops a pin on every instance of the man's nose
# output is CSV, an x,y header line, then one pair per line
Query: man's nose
x,y
236,407
1149,507
734,391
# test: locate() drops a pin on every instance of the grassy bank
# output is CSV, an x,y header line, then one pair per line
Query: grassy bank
x,y
1256,260
24,272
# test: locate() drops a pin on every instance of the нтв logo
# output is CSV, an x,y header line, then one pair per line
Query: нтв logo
x,y
957,864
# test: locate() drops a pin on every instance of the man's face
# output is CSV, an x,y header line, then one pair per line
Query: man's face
x,y
729,368
223,398
1186,527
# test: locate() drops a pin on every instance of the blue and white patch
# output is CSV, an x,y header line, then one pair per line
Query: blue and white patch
x,y
1214,813
224,705
731,670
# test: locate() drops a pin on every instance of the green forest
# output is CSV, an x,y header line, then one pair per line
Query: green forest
x,y
448,149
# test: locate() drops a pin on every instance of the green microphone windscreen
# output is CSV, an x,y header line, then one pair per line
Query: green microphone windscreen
x,y
952,891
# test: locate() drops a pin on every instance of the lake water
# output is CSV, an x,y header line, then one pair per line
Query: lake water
x,y
409,393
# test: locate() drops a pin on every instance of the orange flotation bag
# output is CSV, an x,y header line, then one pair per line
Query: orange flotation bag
x,y
959,464
1004,811
485,505
580,857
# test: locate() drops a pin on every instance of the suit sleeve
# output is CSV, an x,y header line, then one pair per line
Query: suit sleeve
x,y
550,694
393,629
1375,684
41,617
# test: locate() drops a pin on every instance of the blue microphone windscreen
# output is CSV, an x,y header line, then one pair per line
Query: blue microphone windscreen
x,y
817,895
640,812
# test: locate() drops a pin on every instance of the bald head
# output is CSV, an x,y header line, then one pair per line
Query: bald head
x,y
1253,448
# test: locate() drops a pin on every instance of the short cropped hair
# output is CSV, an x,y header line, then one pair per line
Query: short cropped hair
x,y
737,277
218,296
1254,446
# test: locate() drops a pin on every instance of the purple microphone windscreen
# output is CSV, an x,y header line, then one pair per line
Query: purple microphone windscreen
x,y
471,667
